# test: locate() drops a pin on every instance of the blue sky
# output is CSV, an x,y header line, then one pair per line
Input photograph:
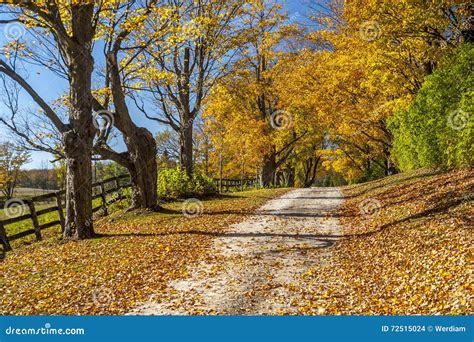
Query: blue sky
x,y
50,87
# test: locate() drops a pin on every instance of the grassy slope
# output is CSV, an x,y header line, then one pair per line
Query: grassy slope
x,y
407,247
137,255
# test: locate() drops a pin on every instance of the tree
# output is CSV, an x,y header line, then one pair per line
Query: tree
x,y
167,143
124,42
72,25
376,57
45,178
264,32
178,75
235,130
116,24
437,129
12,158
295,82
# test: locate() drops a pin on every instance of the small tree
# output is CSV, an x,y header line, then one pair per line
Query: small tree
x,y
12,158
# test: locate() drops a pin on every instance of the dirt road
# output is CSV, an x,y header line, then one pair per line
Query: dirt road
x,y
259,259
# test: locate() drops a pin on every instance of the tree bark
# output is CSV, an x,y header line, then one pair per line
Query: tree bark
x,y
310,169
140,160
269,167
289,177
78,138
78,149
75,47
186,148
143,170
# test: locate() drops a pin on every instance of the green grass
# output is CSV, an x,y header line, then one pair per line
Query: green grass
x,y
21,226
115,210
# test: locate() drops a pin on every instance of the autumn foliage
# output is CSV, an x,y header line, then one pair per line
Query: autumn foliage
x,y
356,94
408,255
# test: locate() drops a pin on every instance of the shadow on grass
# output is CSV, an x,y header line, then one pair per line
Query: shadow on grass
x,y
324,240
440,207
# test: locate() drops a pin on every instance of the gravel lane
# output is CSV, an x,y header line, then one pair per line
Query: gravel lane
x,y
259,259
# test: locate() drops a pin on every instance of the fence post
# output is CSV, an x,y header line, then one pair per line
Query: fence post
x,y
62,223
4,239
103,197
34,219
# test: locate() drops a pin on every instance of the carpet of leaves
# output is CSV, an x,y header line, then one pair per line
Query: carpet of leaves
x,y
136,255
410,254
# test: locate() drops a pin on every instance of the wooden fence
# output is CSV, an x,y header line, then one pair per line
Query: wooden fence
x,y
226,185
99,190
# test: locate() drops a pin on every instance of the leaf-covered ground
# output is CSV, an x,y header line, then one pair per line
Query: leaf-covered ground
x,y
407,249
257,261
138,254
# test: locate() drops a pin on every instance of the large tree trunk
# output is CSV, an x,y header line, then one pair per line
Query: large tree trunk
x,y
75,49
143,170
310,169
78,139
140,160
269,167
186,148
78,186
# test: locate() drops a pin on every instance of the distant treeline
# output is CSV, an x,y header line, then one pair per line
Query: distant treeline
x,y
46,179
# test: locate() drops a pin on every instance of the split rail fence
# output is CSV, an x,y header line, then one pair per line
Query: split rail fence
x,y
28,208
226,185
110,186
